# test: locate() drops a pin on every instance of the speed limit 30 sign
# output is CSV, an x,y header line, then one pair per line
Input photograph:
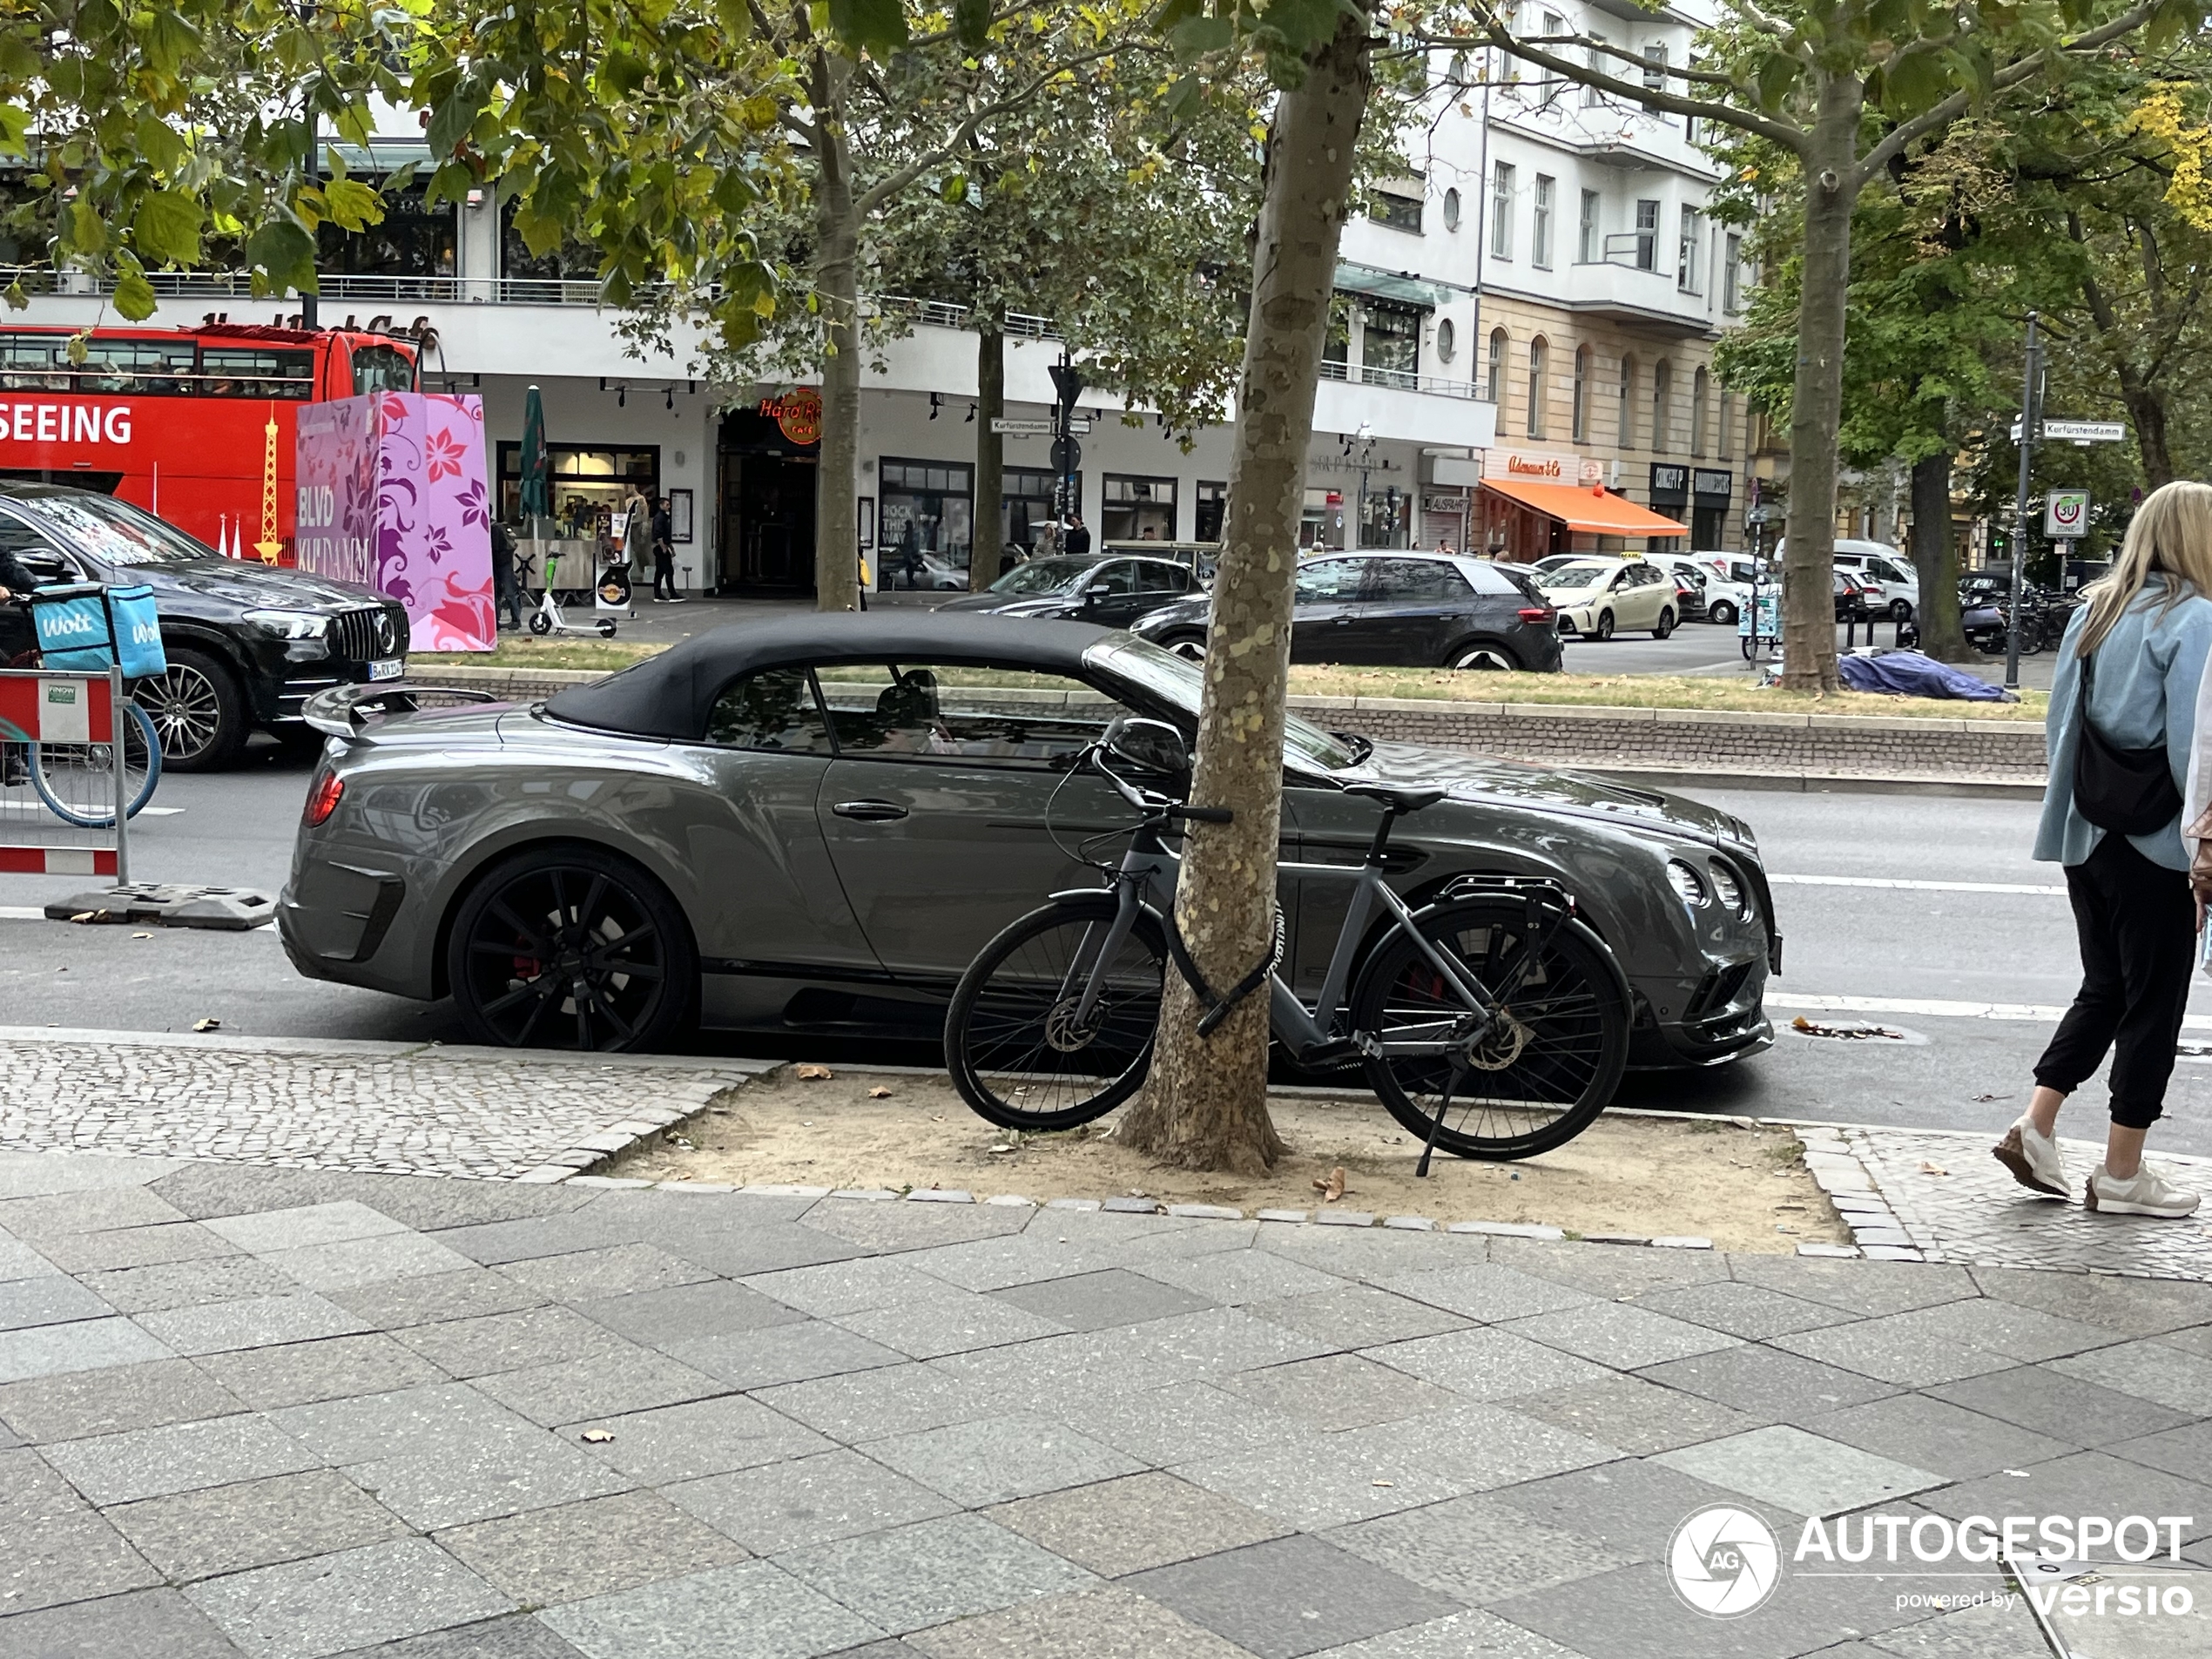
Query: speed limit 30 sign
x,y
2065,514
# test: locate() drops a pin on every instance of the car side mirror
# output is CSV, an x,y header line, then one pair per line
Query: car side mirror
x,y
1150,746
1092,595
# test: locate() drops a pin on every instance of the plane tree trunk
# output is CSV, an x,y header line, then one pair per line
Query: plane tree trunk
x,y
837,280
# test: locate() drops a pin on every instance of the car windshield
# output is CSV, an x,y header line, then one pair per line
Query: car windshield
x,y
1042,575
114,531
1167,678
1587,574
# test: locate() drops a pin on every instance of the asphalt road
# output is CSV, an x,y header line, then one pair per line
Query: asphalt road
x,y
1915,955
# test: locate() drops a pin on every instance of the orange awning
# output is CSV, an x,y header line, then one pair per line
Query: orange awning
x,y
1585,509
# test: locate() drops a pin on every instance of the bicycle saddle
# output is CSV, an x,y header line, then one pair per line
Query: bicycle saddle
x,y
1399,799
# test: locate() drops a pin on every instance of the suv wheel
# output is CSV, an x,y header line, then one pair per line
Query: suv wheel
x,y
1189,647
1724,613
198,708
1489,658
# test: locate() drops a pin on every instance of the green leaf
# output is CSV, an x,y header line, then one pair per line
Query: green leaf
x,y
134,295
283,250
87,231
874,26
954,189
1305,25
15,121
353,205
1778,74
622,72
166,228
1196,36
971,23
171,42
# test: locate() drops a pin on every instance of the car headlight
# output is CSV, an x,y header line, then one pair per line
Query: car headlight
x,y
1728,889
290,624
1689,886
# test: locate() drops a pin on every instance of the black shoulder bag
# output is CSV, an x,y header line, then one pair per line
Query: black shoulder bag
x,y
2129,792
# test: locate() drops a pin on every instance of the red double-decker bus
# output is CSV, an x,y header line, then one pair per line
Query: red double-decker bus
x,y
178,420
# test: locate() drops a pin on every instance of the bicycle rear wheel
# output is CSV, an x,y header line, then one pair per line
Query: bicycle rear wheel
x,y
76,780
1544,1071
1016,1052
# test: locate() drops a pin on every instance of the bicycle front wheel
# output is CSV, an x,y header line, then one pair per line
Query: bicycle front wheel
x,y
1546,1068
76,780
1022,1051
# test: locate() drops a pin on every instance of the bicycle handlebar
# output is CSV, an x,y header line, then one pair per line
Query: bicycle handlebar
x,y
1156,806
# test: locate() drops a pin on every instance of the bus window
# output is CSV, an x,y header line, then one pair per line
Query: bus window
x,y
27,363
256,371
130,364
382,368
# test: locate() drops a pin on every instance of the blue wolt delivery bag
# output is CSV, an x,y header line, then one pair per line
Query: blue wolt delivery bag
x,y
72,627
135,626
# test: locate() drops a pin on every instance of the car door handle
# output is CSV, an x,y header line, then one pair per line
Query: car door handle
x,y
869,812
1342,620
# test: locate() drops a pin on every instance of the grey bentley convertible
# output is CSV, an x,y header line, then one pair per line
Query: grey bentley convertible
x,y
813,823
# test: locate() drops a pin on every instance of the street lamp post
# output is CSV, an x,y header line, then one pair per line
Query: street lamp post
x,y
2031,424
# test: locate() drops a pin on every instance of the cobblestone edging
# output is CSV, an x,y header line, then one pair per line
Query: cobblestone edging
x,y
1677,741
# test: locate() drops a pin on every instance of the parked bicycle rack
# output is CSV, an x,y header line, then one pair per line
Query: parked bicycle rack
x,y
61,727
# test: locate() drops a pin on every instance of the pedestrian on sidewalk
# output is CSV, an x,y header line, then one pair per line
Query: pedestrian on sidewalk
x,y
665,553
506,593
2125,752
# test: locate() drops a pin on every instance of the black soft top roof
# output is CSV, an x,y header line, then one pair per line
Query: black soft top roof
x,y
668,696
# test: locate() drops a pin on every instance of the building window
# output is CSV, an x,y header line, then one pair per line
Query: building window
x,y
1654,67
1687,274
1622,424
1390,346
1213,511
1588,248
1447,340
1451,210
1396,209
586,485
1555,25
1540,234
1732,275
1137,510
1581,413
1538,354
1336,344
1501,211
1026,507
1663,393
1601,63
1728,423
1647,236
412,240
934,501
1701,389
1455,73
1495,388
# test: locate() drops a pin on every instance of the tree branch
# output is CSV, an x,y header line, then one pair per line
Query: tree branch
x,y
869,201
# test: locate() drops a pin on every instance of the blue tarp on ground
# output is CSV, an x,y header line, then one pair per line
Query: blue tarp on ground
x,y
1908,673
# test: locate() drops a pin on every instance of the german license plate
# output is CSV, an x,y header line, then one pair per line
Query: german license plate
x,y
390,668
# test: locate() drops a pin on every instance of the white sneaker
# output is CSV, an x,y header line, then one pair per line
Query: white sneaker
x,y
2034,1159
2145,1193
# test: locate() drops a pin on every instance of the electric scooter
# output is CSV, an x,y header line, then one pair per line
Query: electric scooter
x,y
548,619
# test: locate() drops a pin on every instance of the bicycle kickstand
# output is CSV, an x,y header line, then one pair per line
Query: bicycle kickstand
x,y
1436,1124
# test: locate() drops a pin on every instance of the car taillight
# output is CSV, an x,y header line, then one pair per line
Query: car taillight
x,y
322,797
1537,613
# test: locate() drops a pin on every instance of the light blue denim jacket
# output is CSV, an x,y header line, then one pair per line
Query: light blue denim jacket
x,y
2148,668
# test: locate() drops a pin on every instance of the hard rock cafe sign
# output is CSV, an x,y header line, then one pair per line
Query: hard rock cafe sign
x,y
797,413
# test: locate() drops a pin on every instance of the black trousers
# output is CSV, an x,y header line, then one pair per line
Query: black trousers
x,y
663,573
2138,929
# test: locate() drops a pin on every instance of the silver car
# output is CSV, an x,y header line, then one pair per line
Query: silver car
x,y
812,823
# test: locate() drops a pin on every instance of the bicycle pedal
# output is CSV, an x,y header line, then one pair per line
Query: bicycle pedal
x,y
1335,1052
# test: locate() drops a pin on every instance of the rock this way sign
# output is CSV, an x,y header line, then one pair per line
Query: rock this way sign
x,y
392,495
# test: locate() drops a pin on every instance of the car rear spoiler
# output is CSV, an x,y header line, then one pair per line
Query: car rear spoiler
x,y
344,711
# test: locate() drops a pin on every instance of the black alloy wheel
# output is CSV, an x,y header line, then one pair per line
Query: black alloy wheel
x,y
570,947
1189,647
197,709
1484,656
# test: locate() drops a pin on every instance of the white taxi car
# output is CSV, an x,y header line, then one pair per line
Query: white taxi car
x,y
1598,596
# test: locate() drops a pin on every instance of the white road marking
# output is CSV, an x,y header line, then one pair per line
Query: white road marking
x,y
2041,889
1932,1007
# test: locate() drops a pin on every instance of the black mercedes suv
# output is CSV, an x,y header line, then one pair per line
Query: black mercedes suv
x,y
247,644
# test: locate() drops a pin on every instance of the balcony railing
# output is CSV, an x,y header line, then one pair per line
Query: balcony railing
x,y
1400,379
942,313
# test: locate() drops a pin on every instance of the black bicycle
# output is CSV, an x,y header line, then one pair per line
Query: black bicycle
x,y
1491,1022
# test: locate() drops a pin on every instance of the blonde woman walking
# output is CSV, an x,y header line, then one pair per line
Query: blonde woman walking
x,y
2122,730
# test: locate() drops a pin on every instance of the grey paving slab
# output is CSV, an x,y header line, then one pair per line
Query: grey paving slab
x,y
2151,1369
79,1405
1907,1350
578,1551
155,1244
576,1390
18,1260
58,1549
1475,1550
303,1225
158,1285
182,1457
2050,1402
1485,1290
351,1598
1768,1383
613,1270
1093,1301
2134,1307
1935,1434
88,1209
252,1322
755,1608
83,1344
1462,1636
519,1635
1753,1311
1490,1364
297,1373
1211,1342
705,1437
890,1227
910,1577
760,1358
1139,1521
1629,1509
808,1500
1106,1623
148,1622
229,1529
1291,1596
951,1321
471,1293
1622,1336
25,1174
854,1286
2169,1636
1991,1630
994,1263
350,1263
2186,1451
203,1189
1359,1315
1175,1423
2196,1339
497,1342
1805,1473
1339,1391
51,1299
1864,1287
590,1226
1612,1271
992,1460
1371,1257
1630,1613
892,1399
683,1312
1637,1416
2074,1486
2025,1334
1239,1277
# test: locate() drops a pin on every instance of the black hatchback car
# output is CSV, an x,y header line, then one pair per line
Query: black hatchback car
x,y
247,644
1410,610
1109,591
